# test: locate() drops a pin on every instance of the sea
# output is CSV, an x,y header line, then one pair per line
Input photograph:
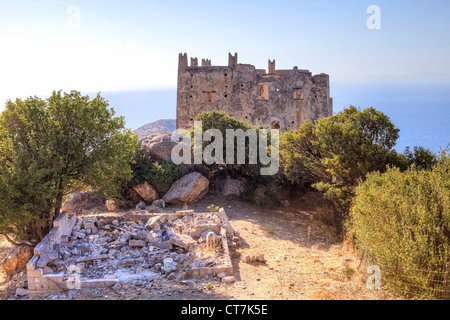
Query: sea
x,y
420,111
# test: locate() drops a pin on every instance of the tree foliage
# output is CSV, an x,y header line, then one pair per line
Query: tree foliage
x,y
222,121
421,158
50,147
338,151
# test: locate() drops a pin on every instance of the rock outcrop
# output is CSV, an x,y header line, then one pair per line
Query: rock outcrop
x,y
159,146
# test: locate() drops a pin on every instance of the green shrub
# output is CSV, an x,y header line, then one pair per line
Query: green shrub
x,y
402,221
160,176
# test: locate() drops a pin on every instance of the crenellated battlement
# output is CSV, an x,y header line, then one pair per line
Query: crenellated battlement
x,y
278,98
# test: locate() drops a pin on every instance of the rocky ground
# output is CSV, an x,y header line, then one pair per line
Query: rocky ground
x,y
305,259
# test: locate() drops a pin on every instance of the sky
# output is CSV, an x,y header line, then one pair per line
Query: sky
x,y
113,46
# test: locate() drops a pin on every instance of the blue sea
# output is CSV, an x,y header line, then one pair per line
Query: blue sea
x,y
421,112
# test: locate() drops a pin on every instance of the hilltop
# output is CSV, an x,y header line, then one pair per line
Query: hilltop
x,y
159,126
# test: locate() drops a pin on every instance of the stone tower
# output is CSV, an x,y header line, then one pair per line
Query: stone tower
x,y
280,99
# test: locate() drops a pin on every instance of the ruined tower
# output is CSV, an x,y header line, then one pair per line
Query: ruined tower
x,y
280,99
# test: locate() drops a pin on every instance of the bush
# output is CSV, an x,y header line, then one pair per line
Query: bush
x,y
402,221
160,176
338,151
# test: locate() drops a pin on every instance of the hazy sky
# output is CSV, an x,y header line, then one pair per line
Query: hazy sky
x,y
122,45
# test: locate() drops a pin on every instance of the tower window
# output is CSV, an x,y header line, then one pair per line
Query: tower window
x,y
208,96
264,91
298,94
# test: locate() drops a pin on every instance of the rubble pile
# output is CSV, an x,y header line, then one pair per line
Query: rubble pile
x,y
165,245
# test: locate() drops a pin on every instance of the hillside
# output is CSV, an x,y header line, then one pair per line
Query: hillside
x,y
163,125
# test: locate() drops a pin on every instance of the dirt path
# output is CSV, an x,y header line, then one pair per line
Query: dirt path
x,y
298,266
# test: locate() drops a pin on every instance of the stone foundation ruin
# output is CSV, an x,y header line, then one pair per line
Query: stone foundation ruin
x,y
95,251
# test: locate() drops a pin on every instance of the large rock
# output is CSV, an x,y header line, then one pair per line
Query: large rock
x,y
111,205
17,259
233,188
146,191
75,202
159,146
190,188
79,201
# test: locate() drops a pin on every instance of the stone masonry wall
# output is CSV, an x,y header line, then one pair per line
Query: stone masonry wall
x,y
280,99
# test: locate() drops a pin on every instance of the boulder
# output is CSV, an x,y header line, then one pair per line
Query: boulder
x,y
75,202
190,188
159,146
111,205
141,206
159,203
79,201
17,259
146,191
233,188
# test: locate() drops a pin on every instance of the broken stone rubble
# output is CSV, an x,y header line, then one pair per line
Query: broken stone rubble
x,y
113,249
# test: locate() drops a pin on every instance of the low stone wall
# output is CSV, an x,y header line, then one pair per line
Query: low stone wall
x,y
227,267
62,226
40,284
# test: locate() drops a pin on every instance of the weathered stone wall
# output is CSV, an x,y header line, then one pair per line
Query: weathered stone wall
x,y
280,98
